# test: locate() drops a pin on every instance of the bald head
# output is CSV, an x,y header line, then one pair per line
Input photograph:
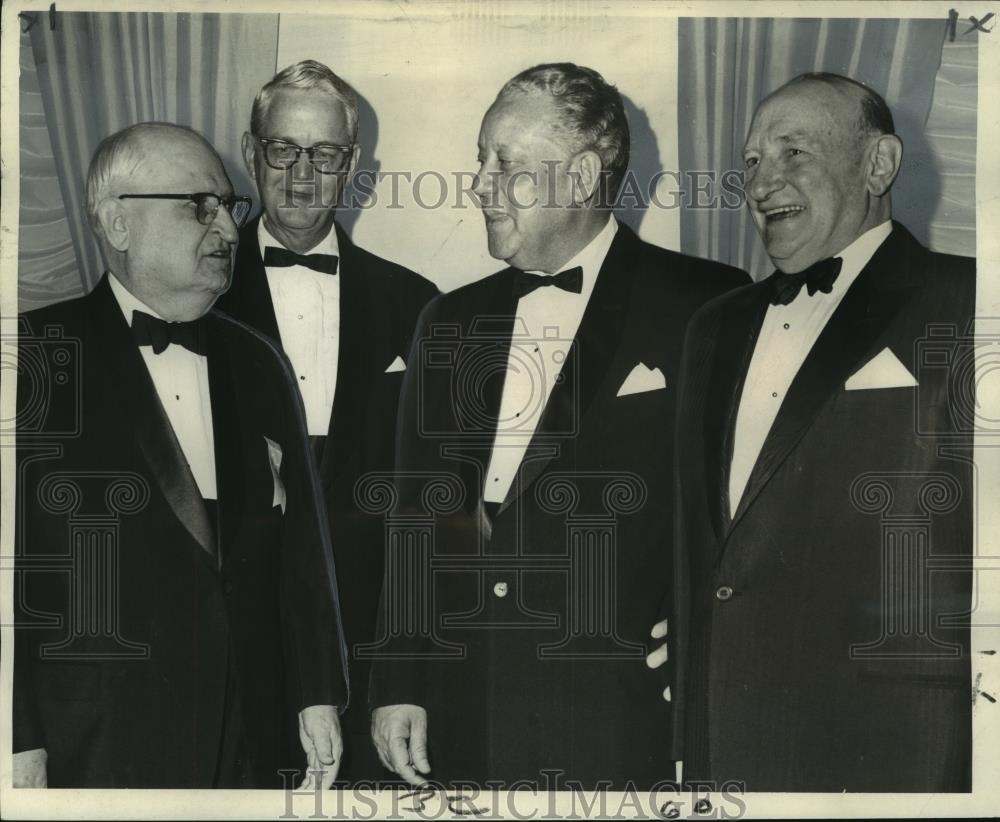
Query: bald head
x,y
158,241
820,160
117,160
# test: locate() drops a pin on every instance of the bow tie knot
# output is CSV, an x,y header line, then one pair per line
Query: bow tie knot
x,y
152,331
820,276
275,257
569,280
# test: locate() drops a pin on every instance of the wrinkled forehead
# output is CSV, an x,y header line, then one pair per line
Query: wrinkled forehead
x,y
181,162
806,110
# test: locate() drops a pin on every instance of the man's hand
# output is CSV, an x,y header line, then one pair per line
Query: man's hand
x,y
319,733
400,736
656,658
29,769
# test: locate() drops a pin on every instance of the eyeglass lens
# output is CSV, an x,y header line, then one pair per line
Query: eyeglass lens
x,y
285,155
208,209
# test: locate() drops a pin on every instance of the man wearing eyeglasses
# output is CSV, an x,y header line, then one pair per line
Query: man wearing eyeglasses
x,y
165,489
342,315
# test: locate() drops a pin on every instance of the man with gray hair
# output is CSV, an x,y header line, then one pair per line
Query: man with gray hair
x,y
344,318
541,398
176,619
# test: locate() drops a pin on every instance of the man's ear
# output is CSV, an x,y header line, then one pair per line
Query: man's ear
x,y
586,171
249,146
113,220
885,158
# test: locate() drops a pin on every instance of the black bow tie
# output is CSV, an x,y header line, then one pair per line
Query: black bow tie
x,y
282,257
153,331
569,280
818,277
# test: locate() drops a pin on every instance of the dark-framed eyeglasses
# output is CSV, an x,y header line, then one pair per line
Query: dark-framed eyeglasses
x,y
326,158
206,203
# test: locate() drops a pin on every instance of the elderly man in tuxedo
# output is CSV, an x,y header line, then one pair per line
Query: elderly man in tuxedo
x,y
176,600
344,318
536,425
820,629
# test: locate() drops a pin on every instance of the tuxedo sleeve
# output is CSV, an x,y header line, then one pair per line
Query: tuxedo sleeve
x,y
398,671
309,593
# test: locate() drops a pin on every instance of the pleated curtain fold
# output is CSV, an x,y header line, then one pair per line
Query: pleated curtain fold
x,y
727,66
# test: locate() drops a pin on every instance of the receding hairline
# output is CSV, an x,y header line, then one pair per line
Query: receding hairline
x,y
871,113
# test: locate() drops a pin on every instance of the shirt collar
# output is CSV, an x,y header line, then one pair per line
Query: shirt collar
x,y
591,257
856,256
328,245
127,301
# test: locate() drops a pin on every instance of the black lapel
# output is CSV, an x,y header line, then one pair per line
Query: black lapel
x,y
133,388
354,369
229,451
735,337
594,346
867,310
249,297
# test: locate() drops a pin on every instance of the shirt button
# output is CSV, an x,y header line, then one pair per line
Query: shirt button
x,y
787,326
723,593
300,317
774,393
500,589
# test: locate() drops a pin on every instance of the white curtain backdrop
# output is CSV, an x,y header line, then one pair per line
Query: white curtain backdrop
x,y
100,72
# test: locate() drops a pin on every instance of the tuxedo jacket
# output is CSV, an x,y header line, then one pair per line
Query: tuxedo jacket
x,y
134,602
820,636
379,302
529,654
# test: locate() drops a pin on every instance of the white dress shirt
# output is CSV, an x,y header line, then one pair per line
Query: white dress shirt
x,y
546,322
181,381
786,337
307,309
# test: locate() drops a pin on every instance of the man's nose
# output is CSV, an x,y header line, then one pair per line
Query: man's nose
x,y
484,185
765,179
225,225
303,168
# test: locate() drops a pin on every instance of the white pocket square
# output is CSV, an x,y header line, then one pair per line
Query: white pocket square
x,y
882,371
396,365
274,455
642,379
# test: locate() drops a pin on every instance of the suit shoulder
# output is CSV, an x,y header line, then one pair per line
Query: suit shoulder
x,y
64,315
473,296
393,277
253,346
695,274
960,271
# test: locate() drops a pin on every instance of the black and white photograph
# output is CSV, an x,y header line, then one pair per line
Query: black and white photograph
x,y
545,409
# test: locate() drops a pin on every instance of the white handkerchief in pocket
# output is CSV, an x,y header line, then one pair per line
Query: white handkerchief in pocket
x,y
642,379
396,365
274,459
882,371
